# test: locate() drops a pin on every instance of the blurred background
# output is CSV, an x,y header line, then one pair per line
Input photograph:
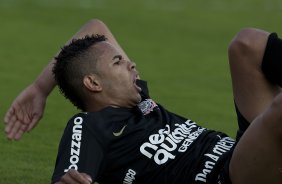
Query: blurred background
x,y
179,46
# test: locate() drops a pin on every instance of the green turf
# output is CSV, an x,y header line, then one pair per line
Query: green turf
x,y
179,47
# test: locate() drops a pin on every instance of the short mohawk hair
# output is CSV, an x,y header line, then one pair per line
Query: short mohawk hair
x,y
69,65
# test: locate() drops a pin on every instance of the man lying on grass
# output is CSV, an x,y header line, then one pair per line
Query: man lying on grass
x,y
124,136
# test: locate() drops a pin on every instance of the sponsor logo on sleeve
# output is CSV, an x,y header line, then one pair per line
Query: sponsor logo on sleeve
x,y
75,143
129,177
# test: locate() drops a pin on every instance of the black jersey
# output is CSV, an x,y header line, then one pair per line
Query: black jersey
x,y
145,144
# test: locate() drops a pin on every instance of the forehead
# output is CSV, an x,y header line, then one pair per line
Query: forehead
x,y
105,52
105,48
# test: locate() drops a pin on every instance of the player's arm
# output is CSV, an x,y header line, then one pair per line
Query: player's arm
x,y
79,150
28,107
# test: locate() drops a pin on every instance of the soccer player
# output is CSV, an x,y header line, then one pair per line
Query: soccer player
x,y
28,107
123,136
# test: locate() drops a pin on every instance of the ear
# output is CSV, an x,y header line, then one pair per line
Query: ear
x,y
92,83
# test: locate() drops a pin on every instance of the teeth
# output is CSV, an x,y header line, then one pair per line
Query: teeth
x,y
137,87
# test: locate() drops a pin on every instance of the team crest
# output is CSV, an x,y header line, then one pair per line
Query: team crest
x,y
147,106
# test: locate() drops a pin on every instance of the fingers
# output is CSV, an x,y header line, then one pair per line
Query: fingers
x,y
74,177
8,115
24,113
10,120
82,178
66,179
14,128
20,132
17,122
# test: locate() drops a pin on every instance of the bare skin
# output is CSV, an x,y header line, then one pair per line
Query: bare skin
x,y
257,156
260,102
28,107
74,177
115,82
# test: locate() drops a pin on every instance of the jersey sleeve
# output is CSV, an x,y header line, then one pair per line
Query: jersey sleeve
x,y
78,150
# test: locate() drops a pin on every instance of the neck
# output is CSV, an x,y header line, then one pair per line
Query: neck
x,y
97,103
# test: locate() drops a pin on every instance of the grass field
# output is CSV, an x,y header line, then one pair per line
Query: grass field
x,y
179,46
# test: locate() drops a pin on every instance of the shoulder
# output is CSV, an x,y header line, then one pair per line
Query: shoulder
x,y
77,123
79,118
91,122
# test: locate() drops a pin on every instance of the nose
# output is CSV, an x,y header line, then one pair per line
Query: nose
x,y
131,65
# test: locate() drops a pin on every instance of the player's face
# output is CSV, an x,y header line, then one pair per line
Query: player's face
x,y
117,76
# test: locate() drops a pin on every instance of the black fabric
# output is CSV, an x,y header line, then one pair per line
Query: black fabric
x,y
272,60
145,144
224,177
74,148
242,123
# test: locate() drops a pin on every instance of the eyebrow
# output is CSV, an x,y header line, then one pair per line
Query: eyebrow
x,y
117,57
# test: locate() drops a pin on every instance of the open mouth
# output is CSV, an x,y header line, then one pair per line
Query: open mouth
x,y
135,85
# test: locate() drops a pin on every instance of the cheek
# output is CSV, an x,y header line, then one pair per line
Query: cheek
x,y
117,81
117,86
123,80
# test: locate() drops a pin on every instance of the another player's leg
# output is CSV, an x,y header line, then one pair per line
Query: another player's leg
x,y
257,156
252,92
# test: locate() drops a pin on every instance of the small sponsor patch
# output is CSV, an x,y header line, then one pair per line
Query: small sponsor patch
x,y
147,106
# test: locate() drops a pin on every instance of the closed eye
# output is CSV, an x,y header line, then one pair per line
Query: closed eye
x,y
117,62
117,59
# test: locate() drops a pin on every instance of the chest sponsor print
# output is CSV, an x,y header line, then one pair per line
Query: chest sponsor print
x,y
164,145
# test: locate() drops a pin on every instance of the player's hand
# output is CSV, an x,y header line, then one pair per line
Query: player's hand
x,y
25,112
75,177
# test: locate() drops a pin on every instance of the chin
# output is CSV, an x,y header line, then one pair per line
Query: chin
x,y
139,98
